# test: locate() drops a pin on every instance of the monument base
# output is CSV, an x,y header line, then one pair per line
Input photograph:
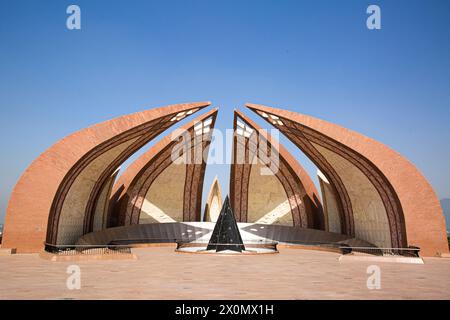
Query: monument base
x,y
257,247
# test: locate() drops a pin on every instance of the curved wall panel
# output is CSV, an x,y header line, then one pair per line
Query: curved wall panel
x,y
330,205
214,203
267,199
369,214
163,201
38,209
299,192
393,196
146,190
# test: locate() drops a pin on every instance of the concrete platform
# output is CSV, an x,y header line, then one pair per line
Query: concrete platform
x,y
161,273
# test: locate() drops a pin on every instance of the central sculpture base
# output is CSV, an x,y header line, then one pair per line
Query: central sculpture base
x,y
256,247
226,238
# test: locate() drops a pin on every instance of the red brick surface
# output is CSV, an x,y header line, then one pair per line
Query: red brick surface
x,y
424,220
28,210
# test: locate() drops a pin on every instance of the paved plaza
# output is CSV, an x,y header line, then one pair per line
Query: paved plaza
x,y
161,273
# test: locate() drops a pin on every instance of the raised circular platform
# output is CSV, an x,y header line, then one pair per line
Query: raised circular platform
x,y
201,232
251,248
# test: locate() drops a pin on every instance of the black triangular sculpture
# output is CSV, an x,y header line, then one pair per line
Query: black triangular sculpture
x,y
226,234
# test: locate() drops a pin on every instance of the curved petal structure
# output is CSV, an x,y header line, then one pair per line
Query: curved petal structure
x,y
377,194
55,200
158,188
271,189
214,203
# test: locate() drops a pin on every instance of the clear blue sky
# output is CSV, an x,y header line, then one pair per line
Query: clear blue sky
x,y
313,57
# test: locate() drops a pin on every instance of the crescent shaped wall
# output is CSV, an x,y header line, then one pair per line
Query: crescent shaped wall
x,y
330,205
101,208
155,189
214,202
55,199
283,194
382,197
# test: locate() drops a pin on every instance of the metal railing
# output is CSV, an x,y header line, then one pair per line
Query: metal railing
x,y
185,241
142,241
405,252
73,250
305,243
272,245
123,246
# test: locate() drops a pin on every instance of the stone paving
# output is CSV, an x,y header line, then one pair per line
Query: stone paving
x,y
161,273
